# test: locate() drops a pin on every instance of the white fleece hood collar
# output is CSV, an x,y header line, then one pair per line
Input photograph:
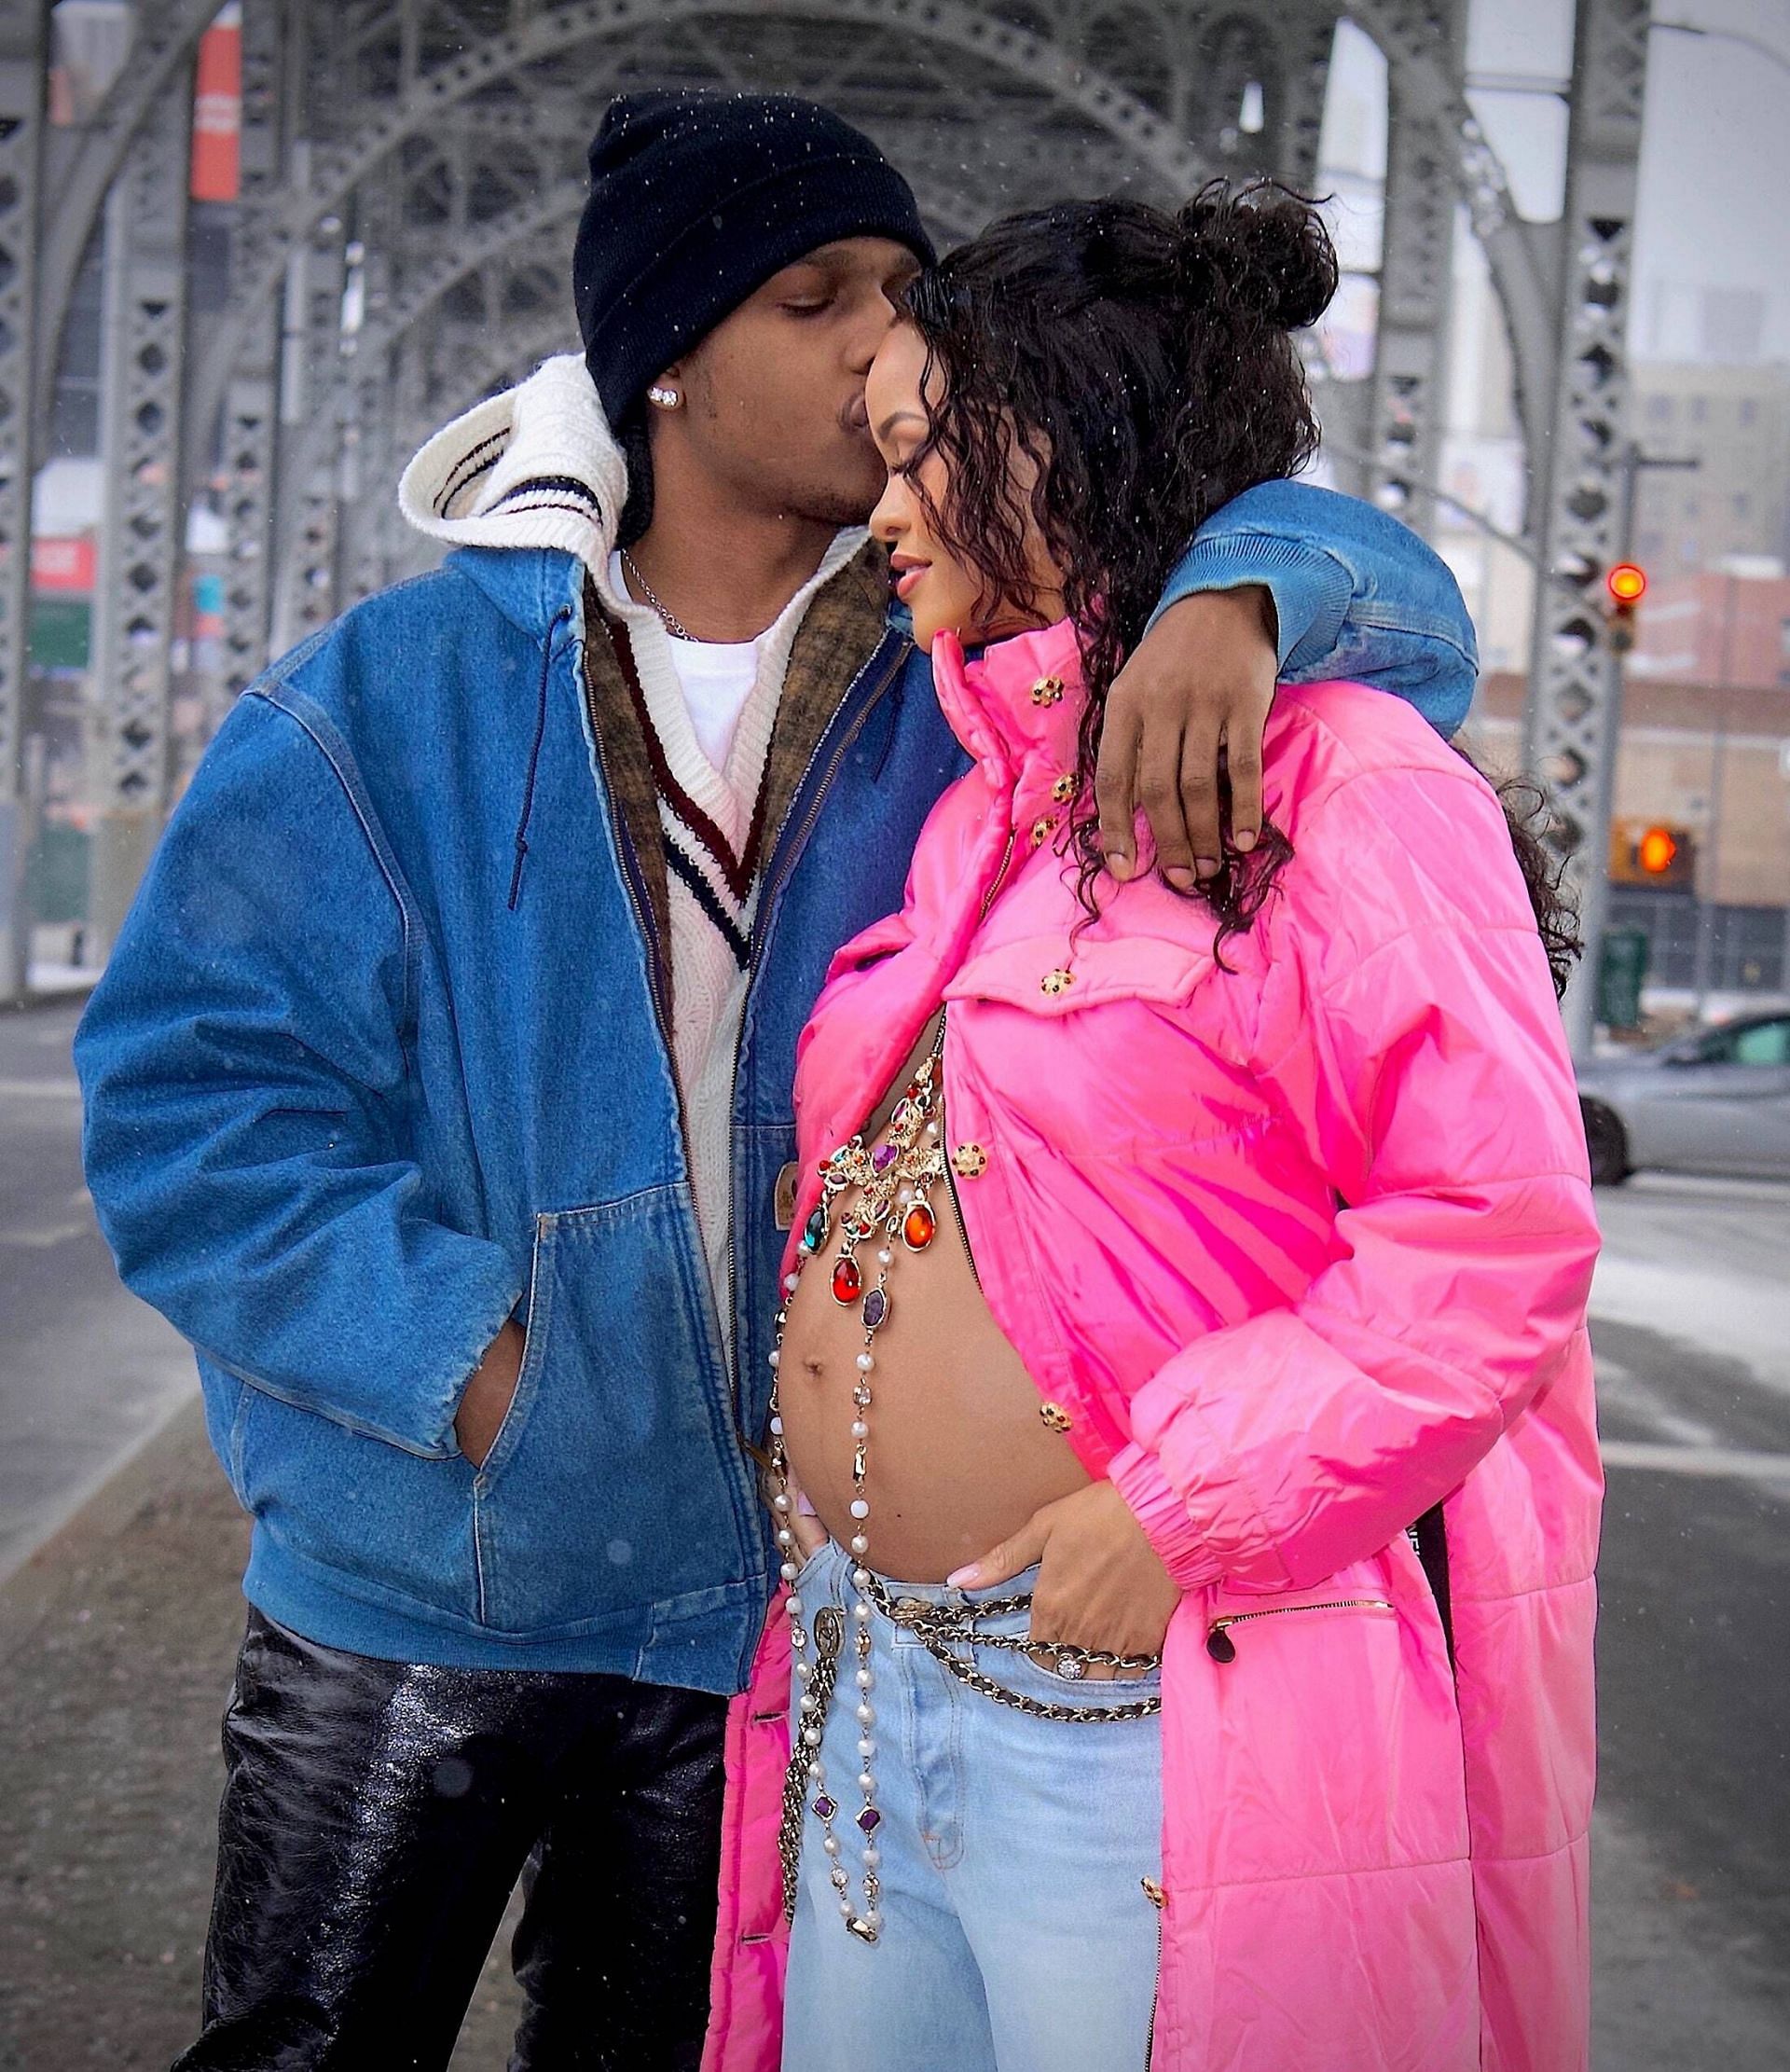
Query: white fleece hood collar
x,y
536,466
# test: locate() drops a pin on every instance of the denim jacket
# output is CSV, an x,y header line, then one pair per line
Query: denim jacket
x,y
351,1102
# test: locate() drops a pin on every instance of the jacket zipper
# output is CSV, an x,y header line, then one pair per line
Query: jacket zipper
x,y
789,850
624,849
1221,1648
950,1171
1155,1998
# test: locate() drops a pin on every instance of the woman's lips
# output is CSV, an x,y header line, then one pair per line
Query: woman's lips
x,y
906,578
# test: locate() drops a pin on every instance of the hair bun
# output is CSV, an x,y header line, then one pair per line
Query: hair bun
x,y
1265,245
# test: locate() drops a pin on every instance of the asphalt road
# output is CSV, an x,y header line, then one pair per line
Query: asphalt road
x,y
1691,1878
1691,1887
86,1372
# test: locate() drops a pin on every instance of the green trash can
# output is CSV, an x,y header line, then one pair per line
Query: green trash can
x,y
56,873
1621,973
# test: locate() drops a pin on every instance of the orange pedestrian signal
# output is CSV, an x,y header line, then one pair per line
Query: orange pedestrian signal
x,y
1657,852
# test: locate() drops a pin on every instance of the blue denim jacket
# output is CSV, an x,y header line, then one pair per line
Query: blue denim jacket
x,y
348,1107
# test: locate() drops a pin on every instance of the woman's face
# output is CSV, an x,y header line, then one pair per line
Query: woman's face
x,y
944,593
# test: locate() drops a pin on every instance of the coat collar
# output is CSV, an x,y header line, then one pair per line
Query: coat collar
x,y
1017,709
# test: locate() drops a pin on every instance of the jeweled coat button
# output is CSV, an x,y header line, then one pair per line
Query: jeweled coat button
x,y
1042,829
1063,791
1047,690
968,1161
1056,982
1055,1417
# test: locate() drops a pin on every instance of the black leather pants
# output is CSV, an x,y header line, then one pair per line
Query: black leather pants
x,y
375,1819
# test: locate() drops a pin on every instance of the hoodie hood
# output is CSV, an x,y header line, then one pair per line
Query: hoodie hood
x,y
537,466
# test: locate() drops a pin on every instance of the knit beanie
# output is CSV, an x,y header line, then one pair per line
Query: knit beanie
x,y
696,199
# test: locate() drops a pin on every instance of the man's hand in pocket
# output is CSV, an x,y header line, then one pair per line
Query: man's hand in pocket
x,y
488,1394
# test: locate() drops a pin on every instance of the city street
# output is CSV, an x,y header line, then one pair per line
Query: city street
x,y
117,1635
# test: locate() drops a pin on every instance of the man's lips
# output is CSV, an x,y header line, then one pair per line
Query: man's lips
x,y
857,414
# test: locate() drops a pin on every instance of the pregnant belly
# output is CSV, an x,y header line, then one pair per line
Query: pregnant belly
x,y
958,1456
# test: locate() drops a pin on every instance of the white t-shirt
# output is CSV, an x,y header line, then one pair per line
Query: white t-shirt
x,y
716,678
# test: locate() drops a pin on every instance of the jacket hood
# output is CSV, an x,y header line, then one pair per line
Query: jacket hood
x,y
534,467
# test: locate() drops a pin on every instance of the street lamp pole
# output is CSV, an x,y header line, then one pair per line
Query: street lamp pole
x,y
1708,863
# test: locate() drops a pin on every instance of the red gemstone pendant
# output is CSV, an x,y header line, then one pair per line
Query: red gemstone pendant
x,y
848,1282
916,1232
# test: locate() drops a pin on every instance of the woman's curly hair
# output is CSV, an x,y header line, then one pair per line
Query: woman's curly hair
x,y
1144,364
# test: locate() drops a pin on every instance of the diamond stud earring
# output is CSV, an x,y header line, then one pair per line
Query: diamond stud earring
x,y
667,399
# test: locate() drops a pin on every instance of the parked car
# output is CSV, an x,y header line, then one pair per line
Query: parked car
x,y
1716,1100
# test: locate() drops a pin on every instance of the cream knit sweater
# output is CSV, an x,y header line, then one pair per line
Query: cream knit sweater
x,y
538,467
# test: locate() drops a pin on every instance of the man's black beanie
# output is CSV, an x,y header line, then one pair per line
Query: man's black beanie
x,y
698,199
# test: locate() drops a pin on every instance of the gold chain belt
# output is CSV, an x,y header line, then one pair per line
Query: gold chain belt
x,y
937,1627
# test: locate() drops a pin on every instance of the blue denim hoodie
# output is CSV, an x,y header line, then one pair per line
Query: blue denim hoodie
x,y
357,1092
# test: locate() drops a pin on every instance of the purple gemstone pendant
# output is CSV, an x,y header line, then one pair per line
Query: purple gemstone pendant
x,y
876,1308
870,1819
883,1157
825,1808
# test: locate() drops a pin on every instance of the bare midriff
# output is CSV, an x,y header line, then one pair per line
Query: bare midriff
x,y
958,1456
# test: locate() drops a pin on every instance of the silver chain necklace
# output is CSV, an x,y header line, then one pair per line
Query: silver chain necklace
x,y
668,618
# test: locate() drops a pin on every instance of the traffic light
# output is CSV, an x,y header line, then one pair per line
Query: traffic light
x,y
1657,852
1652,853
1627,583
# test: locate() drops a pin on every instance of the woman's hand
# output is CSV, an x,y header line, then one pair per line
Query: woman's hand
x,y
1099,1583
1202,679
810,1534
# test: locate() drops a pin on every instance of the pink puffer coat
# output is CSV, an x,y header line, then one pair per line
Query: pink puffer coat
x,y
1301,1248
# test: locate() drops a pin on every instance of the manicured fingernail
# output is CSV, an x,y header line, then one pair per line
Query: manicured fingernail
x,y
1119,863
1207,866
1245,839
1180,877
963,1579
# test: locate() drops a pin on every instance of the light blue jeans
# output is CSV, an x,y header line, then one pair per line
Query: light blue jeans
x,y
1017,1935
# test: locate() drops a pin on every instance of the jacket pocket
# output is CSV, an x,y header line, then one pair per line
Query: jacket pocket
x,y
1055,973
1328,1713
1222,1648
390,1524
617,1478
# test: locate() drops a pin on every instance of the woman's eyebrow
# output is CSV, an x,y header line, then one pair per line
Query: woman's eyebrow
x,y
894,417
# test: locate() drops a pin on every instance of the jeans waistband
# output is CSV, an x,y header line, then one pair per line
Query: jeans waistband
x,y
940,1595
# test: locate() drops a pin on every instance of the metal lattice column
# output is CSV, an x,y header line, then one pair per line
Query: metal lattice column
x,y
1575,680
145,311
21,94
251,402
1409,390
308,513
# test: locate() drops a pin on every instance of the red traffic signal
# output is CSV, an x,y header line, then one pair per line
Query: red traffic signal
x,y
1657,851
1627,583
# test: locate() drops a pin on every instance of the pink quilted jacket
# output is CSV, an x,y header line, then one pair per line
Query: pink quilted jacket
x,y
1302,1248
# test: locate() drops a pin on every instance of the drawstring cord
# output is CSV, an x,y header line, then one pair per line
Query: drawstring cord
x,y
534,764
